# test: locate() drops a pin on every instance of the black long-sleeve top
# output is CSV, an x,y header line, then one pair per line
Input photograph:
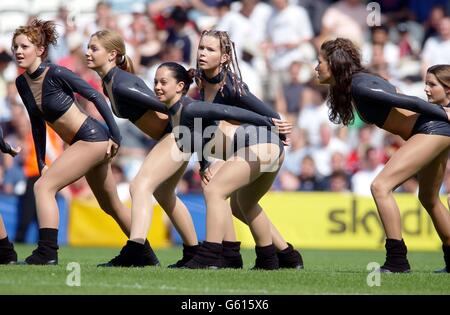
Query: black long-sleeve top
x,y
129,95
246,100
48,93
230,95
374,97
186,110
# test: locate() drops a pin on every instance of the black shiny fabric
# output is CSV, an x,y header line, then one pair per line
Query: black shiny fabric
x,y
131,97
91,131
431,127
374,97
209,113
58,88
247,135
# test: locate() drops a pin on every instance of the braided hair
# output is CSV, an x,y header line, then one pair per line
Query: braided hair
x,y
230,66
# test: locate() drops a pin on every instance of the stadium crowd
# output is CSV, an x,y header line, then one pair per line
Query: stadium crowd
x,y
276,42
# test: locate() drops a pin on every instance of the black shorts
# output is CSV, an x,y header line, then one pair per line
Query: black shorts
x,y
426,125
248,135
91,131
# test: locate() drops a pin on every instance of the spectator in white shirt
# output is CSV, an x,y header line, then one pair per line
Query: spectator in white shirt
x,y
437,48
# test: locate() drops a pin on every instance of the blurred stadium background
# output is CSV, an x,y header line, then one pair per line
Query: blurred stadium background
x,y
321,197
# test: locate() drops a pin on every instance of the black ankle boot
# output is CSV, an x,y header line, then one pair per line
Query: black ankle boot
x,y
396,260
266,258
290,258
7,253
209,255
133,254
47,251
150,258
232,257
446,250
188,253
446,269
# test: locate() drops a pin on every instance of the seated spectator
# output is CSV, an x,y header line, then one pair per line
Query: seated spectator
x,y
380,47
338,171
314,112
328,145
371,166
339,182
309,179
437,48
295,153
288,100
181,34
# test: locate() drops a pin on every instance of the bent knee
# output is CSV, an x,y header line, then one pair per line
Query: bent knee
x,y
43,186
138,186
213,191
379,188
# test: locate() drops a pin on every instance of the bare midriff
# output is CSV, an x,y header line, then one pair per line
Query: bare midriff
x,y
400,122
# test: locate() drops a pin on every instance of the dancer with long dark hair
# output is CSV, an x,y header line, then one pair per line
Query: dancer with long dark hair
x,y
220,81
250,165
424,126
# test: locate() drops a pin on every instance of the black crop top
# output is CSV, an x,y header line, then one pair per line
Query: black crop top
x,y
129,95
374,97
47,94
208,113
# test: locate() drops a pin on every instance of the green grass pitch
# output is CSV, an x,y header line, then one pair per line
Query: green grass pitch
x,y
326,272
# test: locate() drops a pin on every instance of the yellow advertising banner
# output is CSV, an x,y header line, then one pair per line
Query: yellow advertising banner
x,y
90,226
341,221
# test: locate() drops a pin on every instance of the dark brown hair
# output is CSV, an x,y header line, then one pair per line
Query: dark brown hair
x,y
180,74
344,60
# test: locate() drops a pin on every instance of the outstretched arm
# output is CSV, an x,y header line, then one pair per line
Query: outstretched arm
x,y
415,104
141,96
212,111
249,101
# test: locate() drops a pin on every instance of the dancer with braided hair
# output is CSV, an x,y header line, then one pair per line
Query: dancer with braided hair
x,y
220,81
252,162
